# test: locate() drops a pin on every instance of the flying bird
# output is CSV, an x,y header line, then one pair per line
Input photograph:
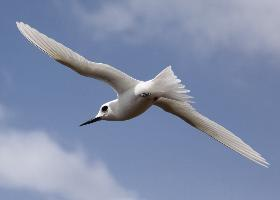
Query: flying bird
x,y
134,96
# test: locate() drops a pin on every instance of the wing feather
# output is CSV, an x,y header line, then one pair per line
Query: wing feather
x,y
186,112
114,77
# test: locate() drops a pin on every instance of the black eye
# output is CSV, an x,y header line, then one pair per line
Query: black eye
x,y
104,108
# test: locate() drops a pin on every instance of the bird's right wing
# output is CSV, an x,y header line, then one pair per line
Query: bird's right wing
x,y
114,77
186,112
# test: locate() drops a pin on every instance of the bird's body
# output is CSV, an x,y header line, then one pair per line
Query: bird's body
x,y
129,105
135,97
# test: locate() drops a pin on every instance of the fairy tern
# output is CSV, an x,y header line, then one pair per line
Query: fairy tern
x,y
134,96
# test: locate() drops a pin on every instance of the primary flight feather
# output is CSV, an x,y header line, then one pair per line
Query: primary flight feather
x,y
135,97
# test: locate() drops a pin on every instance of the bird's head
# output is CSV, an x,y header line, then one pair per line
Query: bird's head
x,y
106,112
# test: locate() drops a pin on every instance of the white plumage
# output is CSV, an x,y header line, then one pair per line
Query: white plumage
x,y
135,97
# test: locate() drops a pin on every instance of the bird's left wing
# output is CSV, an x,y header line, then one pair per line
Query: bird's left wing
x,y
186,112
114,77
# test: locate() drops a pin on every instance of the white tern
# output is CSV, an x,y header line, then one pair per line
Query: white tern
x,y
134,96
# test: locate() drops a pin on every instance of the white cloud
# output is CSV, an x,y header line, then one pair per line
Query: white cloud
x,y
250,26
31,160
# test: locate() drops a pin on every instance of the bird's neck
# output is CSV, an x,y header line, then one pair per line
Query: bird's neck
x,y
115,112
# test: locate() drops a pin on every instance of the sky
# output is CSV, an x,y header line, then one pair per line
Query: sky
x,y
225,52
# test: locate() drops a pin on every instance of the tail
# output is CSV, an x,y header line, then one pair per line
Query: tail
x,y
166,84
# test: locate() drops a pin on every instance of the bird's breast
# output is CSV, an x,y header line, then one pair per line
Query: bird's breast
x,y
131,105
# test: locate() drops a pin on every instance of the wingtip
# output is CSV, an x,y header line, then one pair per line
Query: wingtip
x,y
267,164
19,24
169,67
263,163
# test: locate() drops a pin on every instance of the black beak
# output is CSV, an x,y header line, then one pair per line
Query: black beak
x,y
91,121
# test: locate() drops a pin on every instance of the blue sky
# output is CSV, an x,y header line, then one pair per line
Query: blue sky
x,y
226,52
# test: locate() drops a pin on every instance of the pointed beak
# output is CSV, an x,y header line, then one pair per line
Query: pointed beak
x,y
91,121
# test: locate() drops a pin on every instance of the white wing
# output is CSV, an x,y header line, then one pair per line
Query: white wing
x,y
186,112
114,77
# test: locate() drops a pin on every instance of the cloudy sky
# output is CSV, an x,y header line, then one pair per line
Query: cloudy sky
x,y
226,52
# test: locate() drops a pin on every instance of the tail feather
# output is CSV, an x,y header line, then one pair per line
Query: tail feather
x,y
167,85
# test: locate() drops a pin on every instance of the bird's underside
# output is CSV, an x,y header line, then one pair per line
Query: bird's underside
x,y
169,92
